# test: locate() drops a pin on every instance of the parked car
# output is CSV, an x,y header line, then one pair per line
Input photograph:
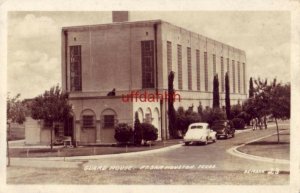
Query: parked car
x,y
223,128
199,133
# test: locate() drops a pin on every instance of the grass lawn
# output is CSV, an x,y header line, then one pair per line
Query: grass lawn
x,y
268,147
22,175
86,150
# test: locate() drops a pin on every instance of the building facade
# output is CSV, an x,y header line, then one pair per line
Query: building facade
x,y
136,57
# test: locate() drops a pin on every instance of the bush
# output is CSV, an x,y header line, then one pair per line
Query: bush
x,y
245,116
238,123
123,133
212,115
185,118
235,110
149,132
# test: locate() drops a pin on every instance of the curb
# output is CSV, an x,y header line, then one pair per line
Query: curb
x,y
95,157
235,152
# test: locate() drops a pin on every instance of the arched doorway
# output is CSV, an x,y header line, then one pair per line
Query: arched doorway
x,y
156,122
148,116
108,121
140,114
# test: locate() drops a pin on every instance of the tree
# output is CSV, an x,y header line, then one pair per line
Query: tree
x,y
200,109
280,102
262,99
15,114
216,96
227,96
51,107
171,111
251,88
138,133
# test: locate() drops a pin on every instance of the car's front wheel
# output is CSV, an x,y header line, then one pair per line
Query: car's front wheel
x,y
186,143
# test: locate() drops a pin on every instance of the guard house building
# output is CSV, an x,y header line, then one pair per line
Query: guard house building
x,y
135,57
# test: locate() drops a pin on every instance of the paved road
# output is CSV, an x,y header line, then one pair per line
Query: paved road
x,y
211,154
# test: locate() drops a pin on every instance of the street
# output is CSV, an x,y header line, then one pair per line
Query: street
x,y
193,164
211,154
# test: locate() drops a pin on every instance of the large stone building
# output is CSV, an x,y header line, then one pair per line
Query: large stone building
x,y
135,57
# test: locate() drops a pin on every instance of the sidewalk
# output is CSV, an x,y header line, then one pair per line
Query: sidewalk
x,y
81,151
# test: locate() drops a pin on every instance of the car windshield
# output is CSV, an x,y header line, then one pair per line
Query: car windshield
x,y
197,127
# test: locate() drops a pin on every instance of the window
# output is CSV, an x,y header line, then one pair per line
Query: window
x,y
189,68
228,67
109,121
233,76
88,121
179,61
244,77
239,77
75,68
169,56
147,64
205,71
222,74
198,68
214,65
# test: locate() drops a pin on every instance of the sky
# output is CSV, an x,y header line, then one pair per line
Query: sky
x,y
34,41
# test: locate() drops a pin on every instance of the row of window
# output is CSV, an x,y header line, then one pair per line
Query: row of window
x,y
198,78
147,50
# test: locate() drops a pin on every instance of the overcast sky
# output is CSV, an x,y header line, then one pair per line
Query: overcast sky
x,y
34,44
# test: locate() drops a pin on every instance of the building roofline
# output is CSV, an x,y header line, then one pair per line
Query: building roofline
x,y
156,21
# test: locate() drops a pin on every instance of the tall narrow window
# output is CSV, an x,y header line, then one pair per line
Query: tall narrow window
x,y
239,76
147,64
75,68
222,74
244,77
189,64
228,67
205,71
214,65
179,61
198,68
169,56
233,76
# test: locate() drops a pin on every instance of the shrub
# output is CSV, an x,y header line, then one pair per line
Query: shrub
x,y
235,110
245,116
212,115
149,132
123,133
238,123
185,118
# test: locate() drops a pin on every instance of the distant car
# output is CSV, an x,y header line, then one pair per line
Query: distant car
x,y
199,133
223,128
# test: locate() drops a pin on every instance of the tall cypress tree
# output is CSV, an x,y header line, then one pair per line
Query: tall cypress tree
x,y
216,96
171,109
138,133
251,88
227,96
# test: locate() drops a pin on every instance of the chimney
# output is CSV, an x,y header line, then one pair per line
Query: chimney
x,y
120,16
